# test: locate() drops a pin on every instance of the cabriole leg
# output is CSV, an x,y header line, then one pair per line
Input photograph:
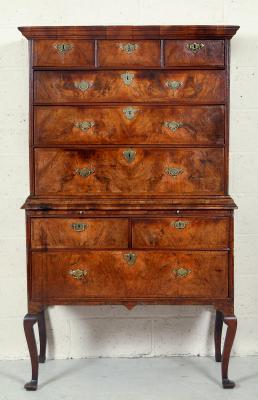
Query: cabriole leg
x,y
217,335
42,336
231,323
28,322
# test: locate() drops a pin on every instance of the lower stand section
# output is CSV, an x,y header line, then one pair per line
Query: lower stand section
x,y
39,317
28,323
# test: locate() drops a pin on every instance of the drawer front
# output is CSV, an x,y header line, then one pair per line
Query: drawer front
x,y
63,53
129,125
129,171
140,53
141,85
115,274
194,53
79,233
181,233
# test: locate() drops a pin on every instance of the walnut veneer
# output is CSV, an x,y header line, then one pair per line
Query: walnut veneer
x,y
129,143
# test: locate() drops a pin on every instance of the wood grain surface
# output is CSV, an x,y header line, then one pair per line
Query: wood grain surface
x,y
200,171
147,86
94,233
85,125
109,275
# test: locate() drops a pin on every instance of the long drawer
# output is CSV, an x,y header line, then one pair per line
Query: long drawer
x,y
116,274
79,233
181,233
122,86
124,171
129,125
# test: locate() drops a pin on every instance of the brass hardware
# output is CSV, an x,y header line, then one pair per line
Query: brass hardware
x,y
127,78
129,48
174,171
78,273
63,48
79,227
195,47
84,125
173,125
179,224
84,172
174,84
130,258
181,272
130,112
129,155
83,85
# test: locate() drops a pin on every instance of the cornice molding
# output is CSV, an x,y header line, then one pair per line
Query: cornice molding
x,y
130,32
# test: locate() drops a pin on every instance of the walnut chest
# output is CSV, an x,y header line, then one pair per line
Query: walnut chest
x,y
129,144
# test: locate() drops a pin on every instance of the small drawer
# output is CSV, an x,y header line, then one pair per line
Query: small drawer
x,y
79,233
63,53
181,233
129,275
146,86
183,53
129,125
140,53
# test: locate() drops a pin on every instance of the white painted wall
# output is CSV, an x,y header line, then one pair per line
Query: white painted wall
x,y
115,331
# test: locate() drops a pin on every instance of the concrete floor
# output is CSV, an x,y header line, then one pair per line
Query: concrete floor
x,y
175,378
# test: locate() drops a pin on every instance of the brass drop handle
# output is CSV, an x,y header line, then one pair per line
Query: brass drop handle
x,y
84,125
63,48
174,85
179,224
195,47
181,272
79,227
78,274
174,172
128,48
173,125
85,172
83,85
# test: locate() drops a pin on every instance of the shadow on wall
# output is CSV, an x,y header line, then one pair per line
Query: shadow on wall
x,y
113,331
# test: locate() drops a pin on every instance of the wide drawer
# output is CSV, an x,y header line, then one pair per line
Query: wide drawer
x,y
129,125
79,233
181,233
144,171
194,53
122,53
63,53
110,275
139,85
